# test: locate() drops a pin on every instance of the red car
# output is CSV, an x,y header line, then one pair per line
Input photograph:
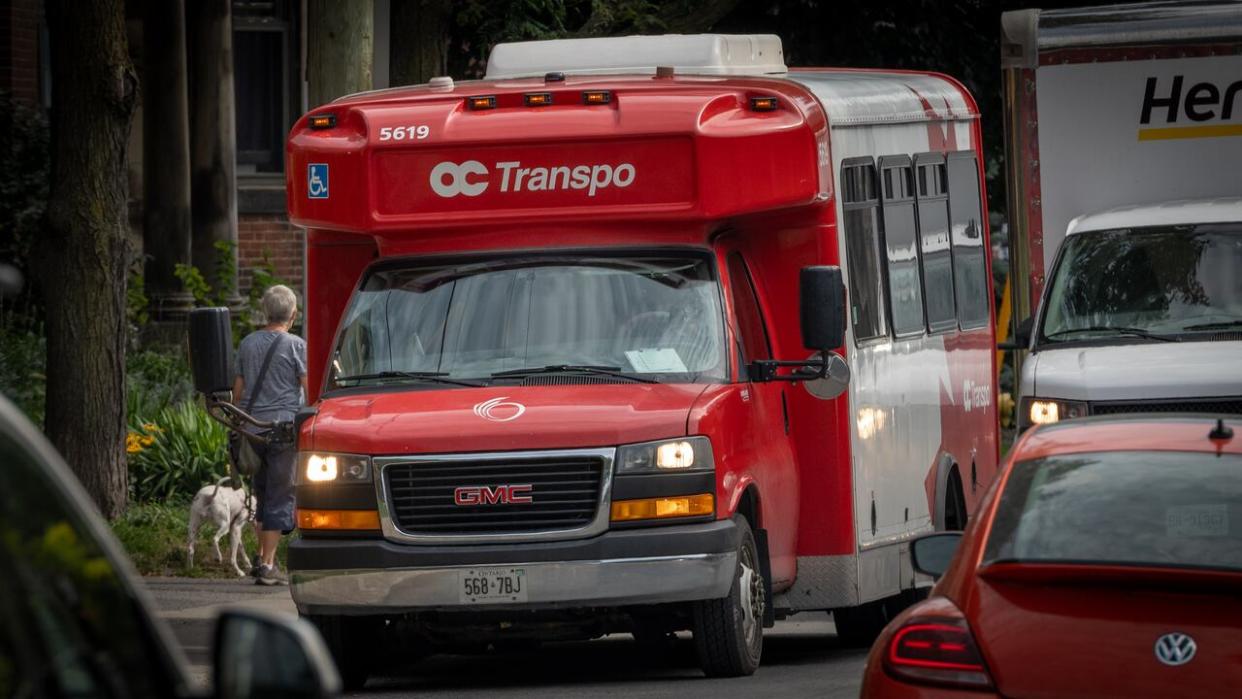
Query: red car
x,y
1106,560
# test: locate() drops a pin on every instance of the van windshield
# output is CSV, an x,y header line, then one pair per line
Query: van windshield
x,y
656,318
1157,283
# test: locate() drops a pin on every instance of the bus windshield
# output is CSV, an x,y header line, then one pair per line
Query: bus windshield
x,y
656,318
1158,283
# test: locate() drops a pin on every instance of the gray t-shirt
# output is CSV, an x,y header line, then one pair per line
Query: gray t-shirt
x,y
281,394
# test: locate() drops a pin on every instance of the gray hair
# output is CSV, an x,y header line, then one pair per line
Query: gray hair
x,y
278,303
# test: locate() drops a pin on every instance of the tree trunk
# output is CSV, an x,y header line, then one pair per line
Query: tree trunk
x,y
165,158
340,48
213,143
422,29
94,88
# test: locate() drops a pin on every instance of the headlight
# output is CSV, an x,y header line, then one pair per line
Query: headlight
x,y
673,455
1045,411
322,467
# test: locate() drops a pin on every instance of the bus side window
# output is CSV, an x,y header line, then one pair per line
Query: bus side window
x,y
933,209
864,248
755,344
969,262
905,284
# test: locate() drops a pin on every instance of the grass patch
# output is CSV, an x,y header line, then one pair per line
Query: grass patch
x,y
154,536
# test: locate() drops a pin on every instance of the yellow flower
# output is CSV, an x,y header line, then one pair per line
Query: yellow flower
x,y
151,427
133,443
147,441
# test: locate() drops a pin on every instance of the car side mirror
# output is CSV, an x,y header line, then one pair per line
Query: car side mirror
x,y
260,654
211,350
822,308
931,554
1021,336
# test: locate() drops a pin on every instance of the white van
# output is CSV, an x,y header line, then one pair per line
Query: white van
x,y
1142,312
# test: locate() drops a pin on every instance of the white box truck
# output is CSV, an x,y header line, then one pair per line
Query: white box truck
x,y
1124,168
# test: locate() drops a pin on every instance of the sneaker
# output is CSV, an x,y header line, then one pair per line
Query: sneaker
x,y
268,575
254,570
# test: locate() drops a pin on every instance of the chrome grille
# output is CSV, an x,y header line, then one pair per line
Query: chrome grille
x,y
565,494
1230,404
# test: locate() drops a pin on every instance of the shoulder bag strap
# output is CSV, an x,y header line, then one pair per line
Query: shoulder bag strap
x,y
267,362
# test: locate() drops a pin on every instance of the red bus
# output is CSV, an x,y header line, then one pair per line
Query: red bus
x,y
566,383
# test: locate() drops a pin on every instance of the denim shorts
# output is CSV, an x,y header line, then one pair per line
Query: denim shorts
x,y
273,489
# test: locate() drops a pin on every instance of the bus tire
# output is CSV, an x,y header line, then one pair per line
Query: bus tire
x,y
351,641
728,632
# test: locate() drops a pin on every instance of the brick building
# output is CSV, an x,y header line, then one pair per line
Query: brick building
x,y
269,89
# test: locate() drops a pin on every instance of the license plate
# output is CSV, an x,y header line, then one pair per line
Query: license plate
x,y
492,585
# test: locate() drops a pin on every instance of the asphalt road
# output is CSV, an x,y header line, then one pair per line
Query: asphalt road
x,y
801,657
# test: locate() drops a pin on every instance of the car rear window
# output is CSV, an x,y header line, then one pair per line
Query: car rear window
x,y
1162,509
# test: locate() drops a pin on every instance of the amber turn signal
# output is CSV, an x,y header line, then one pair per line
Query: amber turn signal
x,y
338,519
659,508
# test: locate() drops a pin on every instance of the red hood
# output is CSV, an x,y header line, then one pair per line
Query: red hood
x,y
523,417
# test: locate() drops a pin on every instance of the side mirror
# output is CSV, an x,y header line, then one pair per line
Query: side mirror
x,y
822,308
260,654
1021,336
211,350
932,554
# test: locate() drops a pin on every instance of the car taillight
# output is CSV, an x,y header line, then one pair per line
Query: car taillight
x,y
937,647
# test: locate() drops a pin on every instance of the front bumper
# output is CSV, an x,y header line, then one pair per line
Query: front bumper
x,y
619,568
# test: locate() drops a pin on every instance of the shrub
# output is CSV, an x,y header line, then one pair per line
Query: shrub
x,y
155,381
23,353
181,450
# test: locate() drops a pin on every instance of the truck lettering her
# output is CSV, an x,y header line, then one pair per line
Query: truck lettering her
x,y
472,178
1200,101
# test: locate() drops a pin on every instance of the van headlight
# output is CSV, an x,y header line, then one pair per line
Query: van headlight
x,y
323,467
1045,411
667,456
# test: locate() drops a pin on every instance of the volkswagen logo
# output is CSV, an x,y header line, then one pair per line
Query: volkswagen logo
x,y
1175,649
499,409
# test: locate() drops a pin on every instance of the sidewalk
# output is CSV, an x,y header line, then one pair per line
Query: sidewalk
x,y
190,606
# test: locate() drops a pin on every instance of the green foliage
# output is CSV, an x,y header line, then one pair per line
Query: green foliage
x,y
154,535
171,457
193,281
25,168
23,353
155,380
137,305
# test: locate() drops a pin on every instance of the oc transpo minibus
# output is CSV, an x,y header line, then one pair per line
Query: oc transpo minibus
x,y
636,335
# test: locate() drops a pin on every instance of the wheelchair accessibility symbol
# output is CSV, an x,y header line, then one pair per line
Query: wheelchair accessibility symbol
x,y
317,181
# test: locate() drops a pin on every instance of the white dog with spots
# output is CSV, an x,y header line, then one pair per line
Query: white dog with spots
x,y
228,509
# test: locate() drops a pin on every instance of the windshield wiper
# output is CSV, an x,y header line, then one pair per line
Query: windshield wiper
x,y
1237,323
1120,330
574,369
429,376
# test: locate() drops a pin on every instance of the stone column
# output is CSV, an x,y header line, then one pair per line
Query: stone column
x,y
213,145
166,158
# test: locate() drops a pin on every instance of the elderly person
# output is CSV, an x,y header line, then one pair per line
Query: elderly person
x,y
273,394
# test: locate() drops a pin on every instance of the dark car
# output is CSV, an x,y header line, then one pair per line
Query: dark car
x,y
76,622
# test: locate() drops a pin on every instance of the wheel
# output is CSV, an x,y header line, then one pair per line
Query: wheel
x,y
858,627
728,632
954,504
352,640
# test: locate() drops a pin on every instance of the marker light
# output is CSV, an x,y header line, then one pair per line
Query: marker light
x,y
661,508
325,468
338,519
596,97
482,102
1045,411
674,455
538,99
763,104
322,121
